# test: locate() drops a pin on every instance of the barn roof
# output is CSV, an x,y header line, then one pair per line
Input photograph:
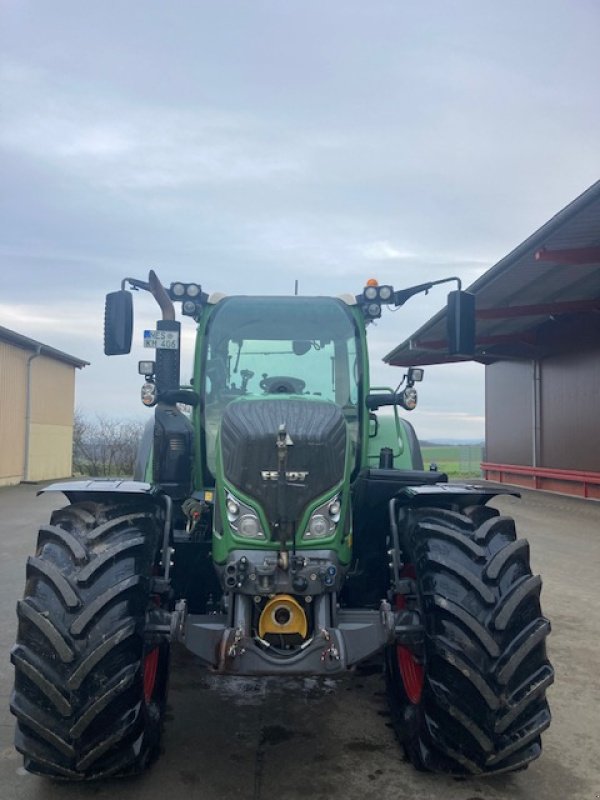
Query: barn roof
x,y
555,273
12,337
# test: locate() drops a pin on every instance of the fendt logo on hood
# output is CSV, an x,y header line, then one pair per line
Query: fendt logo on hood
x,y
291,476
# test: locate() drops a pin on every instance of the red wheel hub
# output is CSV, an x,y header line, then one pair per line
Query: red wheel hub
x,y
411,671
150,673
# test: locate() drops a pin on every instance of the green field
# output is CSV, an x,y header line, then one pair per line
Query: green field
x,y
457,460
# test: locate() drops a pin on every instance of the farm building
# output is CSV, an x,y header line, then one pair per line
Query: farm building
x,y
37,395
538,334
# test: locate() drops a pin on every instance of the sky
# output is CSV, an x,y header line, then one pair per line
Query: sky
x,y
244,145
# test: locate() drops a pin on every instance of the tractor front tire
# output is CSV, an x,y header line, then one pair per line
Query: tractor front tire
x,y
90,675
473,700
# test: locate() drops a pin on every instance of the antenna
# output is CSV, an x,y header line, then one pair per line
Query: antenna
x,y
296,287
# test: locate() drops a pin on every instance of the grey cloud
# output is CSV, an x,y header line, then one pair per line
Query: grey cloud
x,y
245,145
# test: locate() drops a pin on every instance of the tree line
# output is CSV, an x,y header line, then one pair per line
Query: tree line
x,y
105,446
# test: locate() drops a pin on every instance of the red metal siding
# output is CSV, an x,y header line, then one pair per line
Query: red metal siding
x,y
573,482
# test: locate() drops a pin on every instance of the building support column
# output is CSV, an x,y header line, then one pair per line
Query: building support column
x,y
536,414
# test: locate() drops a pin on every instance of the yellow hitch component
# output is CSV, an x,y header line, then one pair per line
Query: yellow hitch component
x,y
282,614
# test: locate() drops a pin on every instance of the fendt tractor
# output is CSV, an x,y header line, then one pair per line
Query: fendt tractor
x,y
280,522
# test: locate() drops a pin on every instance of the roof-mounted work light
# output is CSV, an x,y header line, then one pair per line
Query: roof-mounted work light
x,y
183,291
191,297
373,292
372,311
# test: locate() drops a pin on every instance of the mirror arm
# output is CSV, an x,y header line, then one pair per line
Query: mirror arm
x,y
135,284
375,401
156,289
402,295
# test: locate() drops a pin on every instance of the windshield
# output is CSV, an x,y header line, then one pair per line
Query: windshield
x,y
257,346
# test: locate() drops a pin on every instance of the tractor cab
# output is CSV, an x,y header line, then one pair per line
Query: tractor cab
x,y
306,348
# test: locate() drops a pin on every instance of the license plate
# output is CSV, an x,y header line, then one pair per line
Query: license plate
x,y
161,340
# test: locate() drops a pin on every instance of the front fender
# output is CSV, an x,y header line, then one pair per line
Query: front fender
x,y
446,494
90,490
454,496
112,491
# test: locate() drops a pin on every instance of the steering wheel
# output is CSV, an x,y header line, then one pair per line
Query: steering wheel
x,y
281,384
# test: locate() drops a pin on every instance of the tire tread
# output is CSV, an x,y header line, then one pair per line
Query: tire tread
x,y
79,697
483,706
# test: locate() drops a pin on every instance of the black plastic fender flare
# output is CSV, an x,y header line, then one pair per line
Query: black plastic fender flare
x,y
86,490
461,494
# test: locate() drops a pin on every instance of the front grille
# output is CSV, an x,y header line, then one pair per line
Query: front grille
x,y
248,446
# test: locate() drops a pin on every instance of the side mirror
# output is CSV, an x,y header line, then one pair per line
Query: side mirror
x,y
118,323
461,323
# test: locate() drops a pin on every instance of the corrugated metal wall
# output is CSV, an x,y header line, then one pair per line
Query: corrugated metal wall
x,y
569,399
509,412
52,392
570,404
51,425
51,433
13,380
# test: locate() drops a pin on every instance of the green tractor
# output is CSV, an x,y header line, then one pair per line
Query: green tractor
x,y
279,523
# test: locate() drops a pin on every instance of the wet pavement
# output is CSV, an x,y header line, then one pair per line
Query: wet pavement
x,y
258,739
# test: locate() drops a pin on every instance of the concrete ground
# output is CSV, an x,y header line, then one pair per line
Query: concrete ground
x,y
286,739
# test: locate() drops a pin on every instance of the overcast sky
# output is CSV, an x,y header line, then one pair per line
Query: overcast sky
x,y
247,143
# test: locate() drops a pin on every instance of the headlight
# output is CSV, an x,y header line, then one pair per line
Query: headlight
x,y
178,289
318,526
323,520
233,509
243,519
250,526
409,398
385,292
193,290
370,292
334,510
149,394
